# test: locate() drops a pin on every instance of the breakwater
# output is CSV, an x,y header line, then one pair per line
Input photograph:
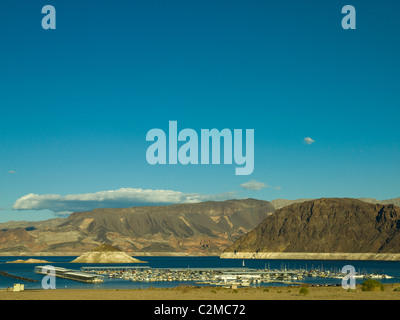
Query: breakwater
x,y
6,274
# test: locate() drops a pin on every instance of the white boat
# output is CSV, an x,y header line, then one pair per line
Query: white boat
x,y
376,276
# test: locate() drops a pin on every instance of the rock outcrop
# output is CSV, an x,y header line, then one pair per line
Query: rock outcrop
x,y
29,261
105,254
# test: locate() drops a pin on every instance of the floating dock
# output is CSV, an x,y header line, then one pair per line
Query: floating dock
x,y
69,274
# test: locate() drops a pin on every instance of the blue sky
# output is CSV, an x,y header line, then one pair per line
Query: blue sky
x,y
76,102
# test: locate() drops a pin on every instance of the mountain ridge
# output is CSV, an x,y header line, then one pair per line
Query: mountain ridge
x,y
205,228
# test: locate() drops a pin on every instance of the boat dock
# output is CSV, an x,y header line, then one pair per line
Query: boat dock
x,y
69,274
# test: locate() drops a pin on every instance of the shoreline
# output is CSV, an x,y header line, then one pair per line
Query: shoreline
x,y
132,254
206,293
312,256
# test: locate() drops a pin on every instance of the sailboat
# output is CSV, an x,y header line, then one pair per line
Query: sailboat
x,y
243,263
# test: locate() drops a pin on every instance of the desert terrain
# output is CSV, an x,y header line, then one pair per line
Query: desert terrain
x,y
206,293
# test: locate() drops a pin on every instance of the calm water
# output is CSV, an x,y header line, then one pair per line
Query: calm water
x,y
27,270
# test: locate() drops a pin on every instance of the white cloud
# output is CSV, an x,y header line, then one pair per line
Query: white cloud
x,y
308,140
253,185
120,198
12,171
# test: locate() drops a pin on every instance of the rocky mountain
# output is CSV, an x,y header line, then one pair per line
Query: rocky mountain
x,y
197,229
326,226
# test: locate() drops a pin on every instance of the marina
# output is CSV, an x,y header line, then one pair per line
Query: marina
x,y
221,276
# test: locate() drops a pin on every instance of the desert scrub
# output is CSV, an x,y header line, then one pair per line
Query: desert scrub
x,y
372,285
304,291
184,288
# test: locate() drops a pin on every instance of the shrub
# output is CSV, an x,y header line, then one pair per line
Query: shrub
x,y
396,289
304,291
372,285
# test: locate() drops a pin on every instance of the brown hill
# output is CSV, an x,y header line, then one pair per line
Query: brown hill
x,y
199,228
326,226
17,239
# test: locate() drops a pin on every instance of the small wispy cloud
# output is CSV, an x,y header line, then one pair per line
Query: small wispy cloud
x,y
12,171
120,198
308,140
253,185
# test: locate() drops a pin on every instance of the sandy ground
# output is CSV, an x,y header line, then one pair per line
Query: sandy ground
x,y
205,293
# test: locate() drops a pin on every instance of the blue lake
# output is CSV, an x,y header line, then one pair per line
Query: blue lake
x,y
27,270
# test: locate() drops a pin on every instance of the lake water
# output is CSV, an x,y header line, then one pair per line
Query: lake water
x,y
27,270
